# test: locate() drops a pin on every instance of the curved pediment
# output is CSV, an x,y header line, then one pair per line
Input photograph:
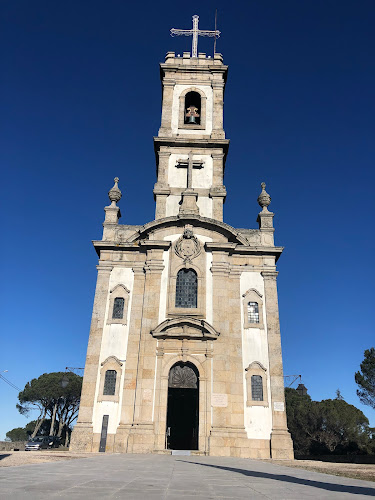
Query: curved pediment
x,y
185,328
196,221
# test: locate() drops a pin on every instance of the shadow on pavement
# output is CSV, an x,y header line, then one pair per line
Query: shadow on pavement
x,y
4,455
354,490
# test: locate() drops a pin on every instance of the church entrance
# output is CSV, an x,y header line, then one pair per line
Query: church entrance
x,y
183,407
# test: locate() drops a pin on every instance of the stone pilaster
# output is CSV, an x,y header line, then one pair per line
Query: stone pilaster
x,y
166,116
228,436
83,431
218,115
281,442
132,359
142,435
265,221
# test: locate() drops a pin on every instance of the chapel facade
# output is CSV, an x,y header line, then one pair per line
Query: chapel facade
x,y
184,350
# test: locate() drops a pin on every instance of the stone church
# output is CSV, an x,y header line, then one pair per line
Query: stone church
x,y
184,350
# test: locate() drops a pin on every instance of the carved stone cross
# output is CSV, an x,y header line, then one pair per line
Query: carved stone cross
x,y
189,165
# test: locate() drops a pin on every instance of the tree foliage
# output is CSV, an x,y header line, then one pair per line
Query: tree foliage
x,y
46,395
328,426
366,379
17,434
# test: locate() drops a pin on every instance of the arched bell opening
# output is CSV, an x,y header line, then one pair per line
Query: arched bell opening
x,y
193,108
183,407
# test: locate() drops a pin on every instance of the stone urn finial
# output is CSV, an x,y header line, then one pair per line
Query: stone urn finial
x,y
264,199
114,194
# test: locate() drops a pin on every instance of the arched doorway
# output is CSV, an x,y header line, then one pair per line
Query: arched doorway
x,y
183,407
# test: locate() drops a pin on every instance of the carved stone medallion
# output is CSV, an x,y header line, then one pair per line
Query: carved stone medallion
x,y
187,246
182,377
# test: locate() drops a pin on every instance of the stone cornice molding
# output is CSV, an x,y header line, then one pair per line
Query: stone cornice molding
x,y
104,268
181,220
120,285
255,364
111,359
185,328
252,290
270,275
162,244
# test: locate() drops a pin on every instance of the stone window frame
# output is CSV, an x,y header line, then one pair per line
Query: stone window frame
x,y
111,363
119,291
200,310
256,368
252,295
181,112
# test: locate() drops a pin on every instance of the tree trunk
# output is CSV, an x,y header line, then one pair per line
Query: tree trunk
x,y
51,431
61,427
66,437
38,424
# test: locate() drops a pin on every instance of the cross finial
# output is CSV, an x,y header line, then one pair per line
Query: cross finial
x,y
195,32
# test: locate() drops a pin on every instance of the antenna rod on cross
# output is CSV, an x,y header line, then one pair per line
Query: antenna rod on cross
x,y
215,31
194,33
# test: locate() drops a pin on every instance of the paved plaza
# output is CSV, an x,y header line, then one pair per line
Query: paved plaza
x,y
155,477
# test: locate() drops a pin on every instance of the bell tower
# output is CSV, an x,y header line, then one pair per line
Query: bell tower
x,y
191,147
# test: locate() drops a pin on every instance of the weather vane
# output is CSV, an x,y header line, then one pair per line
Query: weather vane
x,y
195,32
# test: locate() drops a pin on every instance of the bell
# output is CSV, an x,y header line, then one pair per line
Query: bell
x,y
191,119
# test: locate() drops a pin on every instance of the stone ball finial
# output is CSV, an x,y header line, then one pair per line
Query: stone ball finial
x,y
115,194
264,199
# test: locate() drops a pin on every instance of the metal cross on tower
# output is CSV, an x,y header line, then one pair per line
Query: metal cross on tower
x,y
195,32
189,165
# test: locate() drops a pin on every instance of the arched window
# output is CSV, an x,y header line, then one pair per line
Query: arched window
x,y
253,312
192,108
256,388
110,383
118,308
186,288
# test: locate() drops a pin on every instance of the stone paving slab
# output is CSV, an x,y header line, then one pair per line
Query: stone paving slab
x,y
165,477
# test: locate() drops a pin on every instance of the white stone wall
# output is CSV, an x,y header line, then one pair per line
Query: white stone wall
x,y
207,91
258,419
202,178
114,343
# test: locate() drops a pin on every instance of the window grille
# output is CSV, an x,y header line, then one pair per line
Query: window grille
x,y
118,308
186,288
253,312
110,383
256,388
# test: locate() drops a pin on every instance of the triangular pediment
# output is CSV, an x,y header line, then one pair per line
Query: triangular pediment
x,y
185,328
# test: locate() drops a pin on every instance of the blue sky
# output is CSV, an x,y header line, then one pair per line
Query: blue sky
x,y
81,103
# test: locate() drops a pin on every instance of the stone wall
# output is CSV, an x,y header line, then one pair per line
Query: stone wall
x,y
11,445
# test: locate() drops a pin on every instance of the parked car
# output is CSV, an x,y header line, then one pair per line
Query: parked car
x,y
42,443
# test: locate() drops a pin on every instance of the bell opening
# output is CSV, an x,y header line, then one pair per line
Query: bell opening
x,y
192,108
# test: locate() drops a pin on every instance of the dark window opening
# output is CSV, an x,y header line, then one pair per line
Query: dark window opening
x,y
256,388
118,308
186,288
110,383
192,108
253,312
